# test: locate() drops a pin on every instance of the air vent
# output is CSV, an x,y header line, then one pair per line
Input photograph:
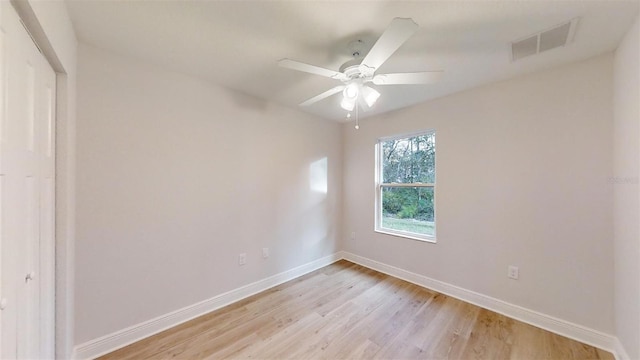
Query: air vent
x,y
557,36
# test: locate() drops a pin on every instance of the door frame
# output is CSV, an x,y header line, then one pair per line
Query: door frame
x,y
64,178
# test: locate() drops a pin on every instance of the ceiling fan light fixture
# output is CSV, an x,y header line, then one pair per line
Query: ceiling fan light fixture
x,y
351,91
370,95
348,104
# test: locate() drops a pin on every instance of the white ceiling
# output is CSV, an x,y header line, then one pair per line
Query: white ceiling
x,y
237,43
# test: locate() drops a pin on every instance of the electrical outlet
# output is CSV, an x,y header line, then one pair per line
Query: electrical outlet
x,y
242,259
513,272
265,253
353,235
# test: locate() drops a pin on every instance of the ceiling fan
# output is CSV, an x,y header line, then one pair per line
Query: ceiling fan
x,y
357,73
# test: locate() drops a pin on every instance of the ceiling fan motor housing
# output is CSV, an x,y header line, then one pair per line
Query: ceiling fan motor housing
x,y
355,70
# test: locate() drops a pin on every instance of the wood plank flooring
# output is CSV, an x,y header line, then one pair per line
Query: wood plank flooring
x,y
346,311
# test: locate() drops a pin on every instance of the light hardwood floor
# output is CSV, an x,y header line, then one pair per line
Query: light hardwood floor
x,y
346,311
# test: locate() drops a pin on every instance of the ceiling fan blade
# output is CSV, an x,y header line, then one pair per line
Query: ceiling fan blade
x,y
312,69
399,31
324,95
416,78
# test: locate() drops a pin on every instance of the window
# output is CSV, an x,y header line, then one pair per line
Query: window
x,y
406,182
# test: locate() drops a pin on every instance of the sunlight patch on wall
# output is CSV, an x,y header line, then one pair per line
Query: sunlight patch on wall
x,y
318,176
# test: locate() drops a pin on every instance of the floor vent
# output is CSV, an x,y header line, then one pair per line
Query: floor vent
x,y
557,36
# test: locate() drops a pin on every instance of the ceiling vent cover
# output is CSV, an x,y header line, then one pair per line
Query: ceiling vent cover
x,y
557,36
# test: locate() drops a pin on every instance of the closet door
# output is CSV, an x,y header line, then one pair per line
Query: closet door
x,y
27,89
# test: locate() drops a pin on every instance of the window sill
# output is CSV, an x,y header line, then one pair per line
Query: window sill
x,y
431,240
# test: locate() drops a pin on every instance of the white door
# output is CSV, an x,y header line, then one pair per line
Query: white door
x,y
27,123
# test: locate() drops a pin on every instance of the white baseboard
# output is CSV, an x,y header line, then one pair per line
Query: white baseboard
x,y
550,323
119,339
108,343
619,351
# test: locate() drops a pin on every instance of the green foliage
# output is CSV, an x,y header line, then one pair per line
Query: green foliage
x,y
408,202
391,202
408,212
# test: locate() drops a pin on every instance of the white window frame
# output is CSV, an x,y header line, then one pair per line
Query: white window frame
x,y
379,186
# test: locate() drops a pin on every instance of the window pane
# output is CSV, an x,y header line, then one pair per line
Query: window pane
x,y
408,209
409,160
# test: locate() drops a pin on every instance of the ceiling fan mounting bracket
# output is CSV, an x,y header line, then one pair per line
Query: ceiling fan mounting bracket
x,y
353,68
357,48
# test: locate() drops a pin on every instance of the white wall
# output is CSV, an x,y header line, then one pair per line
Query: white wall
x,y
522,170
176,177
626,141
